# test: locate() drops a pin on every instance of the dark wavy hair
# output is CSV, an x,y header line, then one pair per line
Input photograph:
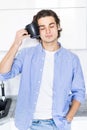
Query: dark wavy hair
x,y
44,13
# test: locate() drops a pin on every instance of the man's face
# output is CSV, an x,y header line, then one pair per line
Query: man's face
x,y
48,29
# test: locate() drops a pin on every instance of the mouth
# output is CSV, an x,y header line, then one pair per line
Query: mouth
x,y
48,36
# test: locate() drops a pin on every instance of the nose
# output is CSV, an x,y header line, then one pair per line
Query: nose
x,y
48,30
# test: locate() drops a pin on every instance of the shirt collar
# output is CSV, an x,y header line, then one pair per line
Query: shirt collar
x,y
43,50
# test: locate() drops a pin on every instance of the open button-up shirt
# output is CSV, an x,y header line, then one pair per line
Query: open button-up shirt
x,y
68,83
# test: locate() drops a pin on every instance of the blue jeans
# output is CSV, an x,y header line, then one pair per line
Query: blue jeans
x,y
45,125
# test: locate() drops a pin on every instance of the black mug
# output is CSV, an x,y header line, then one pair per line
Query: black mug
x,y
33,30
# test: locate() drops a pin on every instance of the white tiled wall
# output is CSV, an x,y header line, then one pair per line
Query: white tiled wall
x,y
15,14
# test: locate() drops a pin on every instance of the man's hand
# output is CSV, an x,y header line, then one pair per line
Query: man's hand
x,y
20,35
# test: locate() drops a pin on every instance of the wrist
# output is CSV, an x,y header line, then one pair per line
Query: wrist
x,y
69,119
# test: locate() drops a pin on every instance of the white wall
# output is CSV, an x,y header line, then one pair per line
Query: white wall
x,y
23,4
15,14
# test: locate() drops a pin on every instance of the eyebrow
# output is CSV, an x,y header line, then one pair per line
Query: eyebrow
x,y
49,24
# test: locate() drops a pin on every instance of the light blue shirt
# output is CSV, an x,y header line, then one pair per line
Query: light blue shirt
x,y
68,83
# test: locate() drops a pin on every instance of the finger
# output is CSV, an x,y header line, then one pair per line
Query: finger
x,y
22,32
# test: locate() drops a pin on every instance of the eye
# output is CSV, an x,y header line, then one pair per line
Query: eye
x,y
42,28
52,26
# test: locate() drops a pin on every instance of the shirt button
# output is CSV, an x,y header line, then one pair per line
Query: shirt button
x,y
42,58
39,81
41,70
36,93
34,103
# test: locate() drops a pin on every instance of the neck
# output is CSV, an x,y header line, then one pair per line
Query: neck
x,y
51,46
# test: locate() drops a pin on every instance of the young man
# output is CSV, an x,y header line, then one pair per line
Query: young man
x,y
52,84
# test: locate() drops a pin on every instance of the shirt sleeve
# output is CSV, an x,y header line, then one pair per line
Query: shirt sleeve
x,y
78,84
16,66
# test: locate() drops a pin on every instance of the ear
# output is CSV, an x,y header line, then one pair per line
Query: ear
x,y
59,28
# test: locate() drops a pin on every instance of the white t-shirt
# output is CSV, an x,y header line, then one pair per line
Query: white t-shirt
x,y
44,102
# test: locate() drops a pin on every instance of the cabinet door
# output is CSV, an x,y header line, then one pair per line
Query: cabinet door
x,y
22,4
12,125
73,23
79,123
5,126
10,22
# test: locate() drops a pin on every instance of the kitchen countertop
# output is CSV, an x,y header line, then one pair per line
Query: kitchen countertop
x,y
82,112
11,110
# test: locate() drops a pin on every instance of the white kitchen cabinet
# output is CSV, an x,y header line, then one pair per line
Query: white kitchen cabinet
x,y
73,23
22,4
16,4
59,3
15,14
5,126
79,123
9,125
12,125
10,22
74,28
